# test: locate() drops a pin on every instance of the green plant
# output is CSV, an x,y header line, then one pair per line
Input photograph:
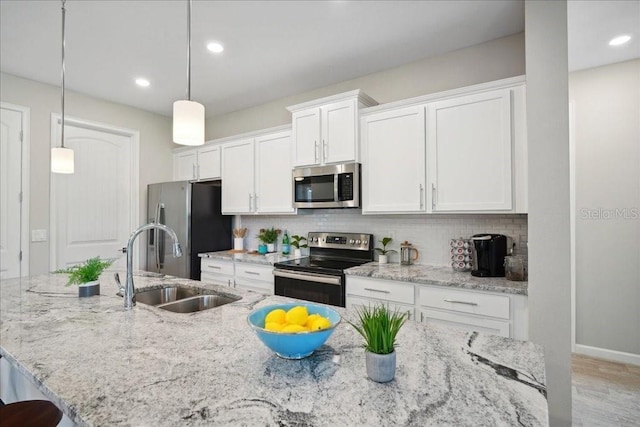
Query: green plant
x,y
385,241
379,327
268,235
87,272
297,241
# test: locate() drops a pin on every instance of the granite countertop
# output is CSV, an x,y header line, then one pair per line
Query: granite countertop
x,y
253,258
439,276
150,367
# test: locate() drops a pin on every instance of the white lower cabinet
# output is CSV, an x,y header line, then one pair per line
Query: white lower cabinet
x,y
495,313
243,275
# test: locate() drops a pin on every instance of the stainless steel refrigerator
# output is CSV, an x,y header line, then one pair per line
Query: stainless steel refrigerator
x,y
193,211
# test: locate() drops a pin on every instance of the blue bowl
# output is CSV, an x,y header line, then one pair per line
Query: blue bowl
x,y
293,345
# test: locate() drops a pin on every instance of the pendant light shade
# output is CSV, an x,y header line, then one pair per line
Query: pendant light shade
x,y
188,123
62,159
188,115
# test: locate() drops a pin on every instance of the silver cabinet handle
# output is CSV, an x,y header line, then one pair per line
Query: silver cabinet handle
x,y
252,272
193,171
198,174
215,267
460,302
315,151
433,196
421,197
421,316
250,202
255,202
377,290
324,150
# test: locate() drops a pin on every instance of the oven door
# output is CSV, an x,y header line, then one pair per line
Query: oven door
x,y
322,288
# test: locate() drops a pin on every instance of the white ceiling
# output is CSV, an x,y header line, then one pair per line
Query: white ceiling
x,y
273,49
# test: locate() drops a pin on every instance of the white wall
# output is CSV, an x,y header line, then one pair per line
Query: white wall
x,y
493,60
607,138
549,226
155,145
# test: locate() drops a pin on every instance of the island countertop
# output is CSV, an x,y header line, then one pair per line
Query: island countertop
x,y
150,367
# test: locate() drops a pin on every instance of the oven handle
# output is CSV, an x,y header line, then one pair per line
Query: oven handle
x,y
309,277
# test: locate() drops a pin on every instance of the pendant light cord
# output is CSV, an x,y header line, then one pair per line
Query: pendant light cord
x,y
189,50
63,45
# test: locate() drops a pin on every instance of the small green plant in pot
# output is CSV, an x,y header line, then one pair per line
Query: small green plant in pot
x,y
86,276
379,327
268,236
383,258
298,243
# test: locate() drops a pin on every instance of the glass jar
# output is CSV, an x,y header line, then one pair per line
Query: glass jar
x,y
514,268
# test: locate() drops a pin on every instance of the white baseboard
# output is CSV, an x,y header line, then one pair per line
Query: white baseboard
x,y
613,355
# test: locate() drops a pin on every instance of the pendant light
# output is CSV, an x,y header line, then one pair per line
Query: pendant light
x,y
188,115
61,157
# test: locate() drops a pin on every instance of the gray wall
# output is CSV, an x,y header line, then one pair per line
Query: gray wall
x,y
549,211
607,141
155,145
493,60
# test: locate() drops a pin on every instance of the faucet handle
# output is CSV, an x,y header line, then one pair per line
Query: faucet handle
x,y
123,250
120,292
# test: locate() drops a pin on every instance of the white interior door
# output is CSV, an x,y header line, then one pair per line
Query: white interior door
x,y
91,208
10,192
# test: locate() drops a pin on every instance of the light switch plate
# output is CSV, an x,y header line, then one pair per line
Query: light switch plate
x,y
38,235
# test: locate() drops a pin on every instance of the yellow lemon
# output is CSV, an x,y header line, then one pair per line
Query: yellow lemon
x,y
297,315
276,316
293,328
320,323
310,319
274,326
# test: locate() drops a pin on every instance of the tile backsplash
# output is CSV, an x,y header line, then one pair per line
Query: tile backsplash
x,y
430,234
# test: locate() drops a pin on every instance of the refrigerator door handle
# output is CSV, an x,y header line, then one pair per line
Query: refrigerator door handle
x,y
160,238
154,237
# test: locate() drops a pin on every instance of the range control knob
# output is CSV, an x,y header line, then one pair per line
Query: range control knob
x,y
352,241
366,242
358,242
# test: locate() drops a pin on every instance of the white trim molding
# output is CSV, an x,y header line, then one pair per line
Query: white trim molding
x,y
25,228
613,355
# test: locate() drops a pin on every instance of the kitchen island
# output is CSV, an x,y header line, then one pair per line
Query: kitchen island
x,y
150,367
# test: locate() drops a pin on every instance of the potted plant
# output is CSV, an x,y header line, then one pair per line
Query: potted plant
x,y
298,243
383,258
379,327
86,276
268,236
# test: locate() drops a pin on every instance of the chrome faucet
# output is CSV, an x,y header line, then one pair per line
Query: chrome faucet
x,y
129,289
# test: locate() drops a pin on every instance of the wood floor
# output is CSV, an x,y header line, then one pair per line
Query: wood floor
x,y
605,393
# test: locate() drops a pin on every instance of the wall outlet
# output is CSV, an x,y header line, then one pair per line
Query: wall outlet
x,y
38,235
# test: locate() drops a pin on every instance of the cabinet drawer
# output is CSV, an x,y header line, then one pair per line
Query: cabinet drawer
x,y
216,267
479,303
466,322
254,272
354,303
216,279
255,285
381,289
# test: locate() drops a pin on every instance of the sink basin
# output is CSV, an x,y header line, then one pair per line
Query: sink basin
x,y
197,303
165,295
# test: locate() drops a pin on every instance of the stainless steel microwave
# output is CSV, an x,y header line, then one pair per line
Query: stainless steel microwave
x,y
333,186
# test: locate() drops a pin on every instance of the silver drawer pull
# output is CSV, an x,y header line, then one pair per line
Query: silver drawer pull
x,y
252,272
215,267
377,290
460,302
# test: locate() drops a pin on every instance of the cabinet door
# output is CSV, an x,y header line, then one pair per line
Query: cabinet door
x,y
393,161
184,165
306,137
237,177
469,151
338,124
356,303
466,322
209,163
274,182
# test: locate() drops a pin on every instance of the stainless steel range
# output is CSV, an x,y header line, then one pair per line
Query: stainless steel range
x,y
320,277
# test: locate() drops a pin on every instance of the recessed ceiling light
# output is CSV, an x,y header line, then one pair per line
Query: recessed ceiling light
x,y
215,47
142,82
617,41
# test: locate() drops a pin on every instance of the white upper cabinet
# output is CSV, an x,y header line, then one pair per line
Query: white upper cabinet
x,y
469,150
197,164
325,131
393,161
256,175
274,182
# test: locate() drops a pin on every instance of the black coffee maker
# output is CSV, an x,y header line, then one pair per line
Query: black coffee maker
x,y
489,252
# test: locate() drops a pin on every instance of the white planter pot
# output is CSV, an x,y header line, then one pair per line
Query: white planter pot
x,y
382,259
381,368
271,247
89,289
297,253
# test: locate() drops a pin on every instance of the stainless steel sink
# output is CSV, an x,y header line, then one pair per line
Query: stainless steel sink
x,y
197,303
165,295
